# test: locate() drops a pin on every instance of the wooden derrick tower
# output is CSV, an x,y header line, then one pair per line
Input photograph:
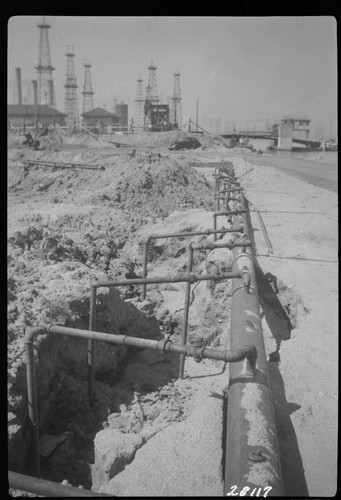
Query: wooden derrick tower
x,y
176,115
44,68
88,102
71,103
139,105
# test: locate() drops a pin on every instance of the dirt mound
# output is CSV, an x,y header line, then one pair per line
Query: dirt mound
x,y
149,184
160,187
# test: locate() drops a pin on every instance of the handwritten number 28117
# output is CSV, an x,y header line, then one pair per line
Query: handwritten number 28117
x,y
256,492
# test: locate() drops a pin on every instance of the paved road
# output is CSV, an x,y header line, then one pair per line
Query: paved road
x,y
317,173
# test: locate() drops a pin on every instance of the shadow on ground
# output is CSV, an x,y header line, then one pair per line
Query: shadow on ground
x,y
280,326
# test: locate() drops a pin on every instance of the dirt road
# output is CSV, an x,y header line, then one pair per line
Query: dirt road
x,y
318,172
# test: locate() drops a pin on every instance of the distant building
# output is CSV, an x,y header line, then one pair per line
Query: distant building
x,y
101,119
300,126
30,114
157,117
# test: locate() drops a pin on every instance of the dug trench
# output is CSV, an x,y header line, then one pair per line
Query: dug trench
x,y
137,394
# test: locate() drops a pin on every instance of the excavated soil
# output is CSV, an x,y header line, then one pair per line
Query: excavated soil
x,y
149,433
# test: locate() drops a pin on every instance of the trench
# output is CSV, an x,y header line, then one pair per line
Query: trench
x,y
127,380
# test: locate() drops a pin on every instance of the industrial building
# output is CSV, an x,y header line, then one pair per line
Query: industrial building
x,y
101,120
30,115
300,127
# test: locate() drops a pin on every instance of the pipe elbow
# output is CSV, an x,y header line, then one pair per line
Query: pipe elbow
x,y
31,333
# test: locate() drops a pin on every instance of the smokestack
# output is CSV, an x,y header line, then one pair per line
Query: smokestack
x,y
18,78
35,92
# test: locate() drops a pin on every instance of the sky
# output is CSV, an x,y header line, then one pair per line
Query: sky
x,y
240,70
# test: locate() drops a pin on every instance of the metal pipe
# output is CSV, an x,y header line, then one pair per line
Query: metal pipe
x,y
169,279
227,212
229,190
190,251
29,334
230,245
244,352
252,456
177,235
221,213
45,488
91,344
145,263
264,231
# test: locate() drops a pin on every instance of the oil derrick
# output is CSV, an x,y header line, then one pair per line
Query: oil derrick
x,y
139,105
152,88
71,104
176,117
88,102
45,68
151,94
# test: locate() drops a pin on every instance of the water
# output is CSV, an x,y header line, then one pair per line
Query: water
x,y
329,157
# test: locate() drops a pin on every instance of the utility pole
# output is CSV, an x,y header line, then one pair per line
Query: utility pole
x,y
45,68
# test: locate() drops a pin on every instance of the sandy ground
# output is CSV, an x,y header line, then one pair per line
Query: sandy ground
x,y
168,450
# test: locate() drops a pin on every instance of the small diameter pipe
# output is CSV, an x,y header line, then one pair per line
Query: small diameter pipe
x,y
245,352
264,231
174,235
171,279
219,214
229,190
252,453
91,344
190,252
189,278
45,488
186,309
30,333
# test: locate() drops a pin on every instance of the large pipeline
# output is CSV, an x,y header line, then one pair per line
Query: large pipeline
x,y
45,488
252,454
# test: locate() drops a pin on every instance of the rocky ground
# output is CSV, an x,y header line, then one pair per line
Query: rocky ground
x,y
149,433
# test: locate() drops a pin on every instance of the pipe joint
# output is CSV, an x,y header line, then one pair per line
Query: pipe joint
x,y
198,351
250,362
31,333
246,278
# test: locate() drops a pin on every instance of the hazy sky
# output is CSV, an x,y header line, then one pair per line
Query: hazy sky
x,y
241,69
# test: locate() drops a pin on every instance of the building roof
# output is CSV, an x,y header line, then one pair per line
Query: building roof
x,y
99,112
31,109
293,118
